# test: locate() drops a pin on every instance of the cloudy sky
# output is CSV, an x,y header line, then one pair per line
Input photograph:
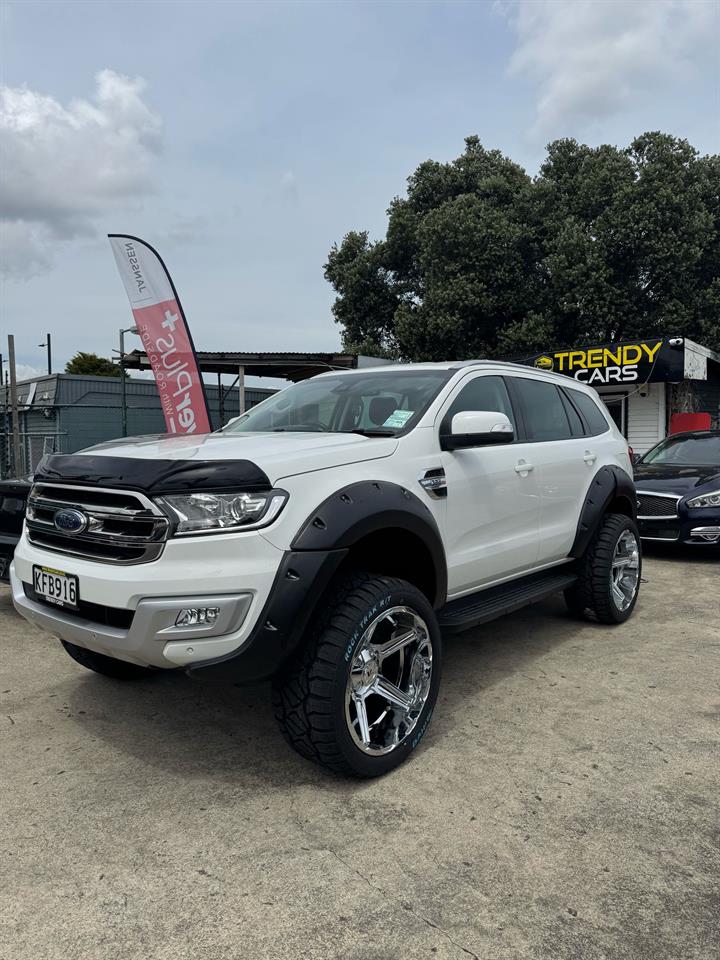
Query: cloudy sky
x,y
243,139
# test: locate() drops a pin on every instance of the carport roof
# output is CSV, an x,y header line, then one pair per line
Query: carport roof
x,y
291,366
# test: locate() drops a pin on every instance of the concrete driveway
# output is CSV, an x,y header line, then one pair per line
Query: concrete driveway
x,y
563,805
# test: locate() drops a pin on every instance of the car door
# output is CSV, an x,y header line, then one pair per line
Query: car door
x,y
560,455
493,504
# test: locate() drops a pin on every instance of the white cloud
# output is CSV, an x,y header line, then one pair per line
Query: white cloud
x,y
592,58
24,249
65,166
25,372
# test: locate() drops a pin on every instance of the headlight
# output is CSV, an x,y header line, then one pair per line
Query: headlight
x,y
706,500
222,512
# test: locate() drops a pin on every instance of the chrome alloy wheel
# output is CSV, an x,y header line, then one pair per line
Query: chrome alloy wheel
x,y
389,680
625,570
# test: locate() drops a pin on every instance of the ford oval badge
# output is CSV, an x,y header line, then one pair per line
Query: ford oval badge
x,y
71,522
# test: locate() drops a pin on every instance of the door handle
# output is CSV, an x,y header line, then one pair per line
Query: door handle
x,y
590,457
522,467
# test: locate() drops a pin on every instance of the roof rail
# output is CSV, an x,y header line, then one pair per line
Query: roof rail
x,y
470,363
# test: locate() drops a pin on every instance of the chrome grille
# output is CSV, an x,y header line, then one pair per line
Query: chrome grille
x,y
122,526
657,506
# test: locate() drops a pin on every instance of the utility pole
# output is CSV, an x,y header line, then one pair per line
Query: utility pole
x,y
221,400
48,344
241,390
123,391
17,465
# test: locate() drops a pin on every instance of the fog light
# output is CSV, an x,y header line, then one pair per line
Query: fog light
x,y
197,617
708,534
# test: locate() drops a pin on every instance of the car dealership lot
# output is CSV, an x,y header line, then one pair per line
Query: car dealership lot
x,y
564,803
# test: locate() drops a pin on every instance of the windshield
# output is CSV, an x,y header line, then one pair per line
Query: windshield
x,y
373,404
686,451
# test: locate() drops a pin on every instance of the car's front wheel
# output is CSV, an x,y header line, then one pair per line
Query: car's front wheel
x,y
359,695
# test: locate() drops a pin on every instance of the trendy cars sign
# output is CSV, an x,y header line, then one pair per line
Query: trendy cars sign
x,y
638,360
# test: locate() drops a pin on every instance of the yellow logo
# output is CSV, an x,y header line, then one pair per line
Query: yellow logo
x,y
544,363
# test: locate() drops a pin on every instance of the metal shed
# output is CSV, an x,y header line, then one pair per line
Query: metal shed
x,y
63,413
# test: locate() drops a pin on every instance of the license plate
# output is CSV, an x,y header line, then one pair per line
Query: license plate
x,y
56,587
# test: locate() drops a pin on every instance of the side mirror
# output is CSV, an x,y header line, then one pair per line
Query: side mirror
x,y
477,428
635,458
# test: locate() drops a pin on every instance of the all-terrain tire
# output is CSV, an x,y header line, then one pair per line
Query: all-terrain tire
x,y
591,596
309,696
108,666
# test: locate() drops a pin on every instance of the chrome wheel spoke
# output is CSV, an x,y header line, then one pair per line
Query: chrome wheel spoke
x,y
362,719
391,693
620,598
395,643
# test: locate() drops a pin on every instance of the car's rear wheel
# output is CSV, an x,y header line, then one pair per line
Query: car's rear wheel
x,y
108,666
359,695
609,573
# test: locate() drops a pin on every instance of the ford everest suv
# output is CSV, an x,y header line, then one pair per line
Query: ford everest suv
x,y
330,536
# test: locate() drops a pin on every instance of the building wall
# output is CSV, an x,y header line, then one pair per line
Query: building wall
x,y
645,421
646,418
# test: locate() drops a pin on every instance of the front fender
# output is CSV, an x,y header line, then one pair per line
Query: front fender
x,y
367,507
320,546
609,483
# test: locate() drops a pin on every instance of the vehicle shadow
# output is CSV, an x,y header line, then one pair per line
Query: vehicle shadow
x,y
229,734
709,553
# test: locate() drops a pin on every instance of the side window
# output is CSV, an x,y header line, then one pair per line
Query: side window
x,y
482,393
591,411
577,427
542,409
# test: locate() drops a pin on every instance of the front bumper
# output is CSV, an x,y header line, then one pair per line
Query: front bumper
x,y
692,527
7,549
234,573
152,638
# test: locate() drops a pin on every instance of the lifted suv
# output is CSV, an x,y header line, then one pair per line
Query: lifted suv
x,y
330,536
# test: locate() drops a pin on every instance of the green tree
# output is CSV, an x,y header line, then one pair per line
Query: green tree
x,y
91,365
481,260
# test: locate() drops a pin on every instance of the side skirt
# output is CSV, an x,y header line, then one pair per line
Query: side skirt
x,y
469,611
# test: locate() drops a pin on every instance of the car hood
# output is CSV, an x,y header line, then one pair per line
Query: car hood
x,y
672,478
277,454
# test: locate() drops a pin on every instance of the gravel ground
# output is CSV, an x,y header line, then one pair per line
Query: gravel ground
x,y
564,804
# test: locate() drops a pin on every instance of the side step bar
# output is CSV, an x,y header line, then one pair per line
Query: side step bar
x,y
495,602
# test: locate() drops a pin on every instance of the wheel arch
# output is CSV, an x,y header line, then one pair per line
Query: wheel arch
x,y
385,529
611,491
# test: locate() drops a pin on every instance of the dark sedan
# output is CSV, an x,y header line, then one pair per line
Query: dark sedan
x,y
678,489
13,501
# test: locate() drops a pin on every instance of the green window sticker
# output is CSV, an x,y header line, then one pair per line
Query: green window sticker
x,y
398,418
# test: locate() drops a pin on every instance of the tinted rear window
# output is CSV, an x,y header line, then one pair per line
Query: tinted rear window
x,y
591,411
542,410
577,427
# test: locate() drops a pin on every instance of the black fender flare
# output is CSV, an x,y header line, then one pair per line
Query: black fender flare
x,y
307,568
370,506
609,483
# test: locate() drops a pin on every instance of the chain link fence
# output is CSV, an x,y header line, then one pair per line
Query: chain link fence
x,y
68,427
33,447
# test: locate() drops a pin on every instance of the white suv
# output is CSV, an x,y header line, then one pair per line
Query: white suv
x,y
329,536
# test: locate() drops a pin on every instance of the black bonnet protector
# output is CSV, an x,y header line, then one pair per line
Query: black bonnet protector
x,y
151,476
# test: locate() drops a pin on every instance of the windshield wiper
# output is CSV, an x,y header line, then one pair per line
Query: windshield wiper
x,y
370,432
